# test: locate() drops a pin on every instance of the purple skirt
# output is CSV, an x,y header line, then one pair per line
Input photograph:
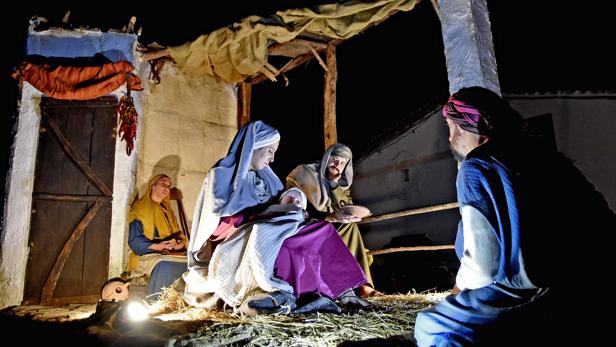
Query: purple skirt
x,y
316,260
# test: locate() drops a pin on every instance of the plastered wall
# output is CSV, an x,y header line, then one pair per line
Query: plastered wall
x,y
188,125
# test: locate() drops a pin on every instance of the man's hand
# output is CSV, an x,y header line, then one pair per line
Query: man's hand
x,y
341,217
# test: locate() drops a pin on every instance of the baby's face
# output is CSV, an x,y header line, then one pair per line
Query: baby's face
x,y
292,198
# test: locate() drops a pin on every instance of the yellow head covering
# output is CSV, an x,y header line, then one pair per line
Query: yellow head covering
x,y
153,215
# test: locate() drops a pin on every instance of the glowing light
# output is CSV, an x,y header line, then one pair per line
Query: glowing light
x,y
137,311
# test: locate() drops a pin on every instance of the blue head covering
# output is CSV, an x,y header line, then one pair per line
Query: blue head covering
x,y
234,188
230,186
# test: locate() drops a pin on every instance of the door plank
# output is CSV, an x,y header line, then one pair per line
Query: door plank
x,y
63,195
78,158
69,197
56,270
103,139
102,159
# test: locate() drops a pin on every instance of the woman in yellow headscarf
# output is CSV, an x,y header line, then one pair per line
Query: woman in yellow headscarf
x,y
154,233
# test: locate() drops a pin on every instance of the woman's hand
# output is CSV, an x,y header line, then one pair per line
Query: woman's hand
x,y
163,246
179,245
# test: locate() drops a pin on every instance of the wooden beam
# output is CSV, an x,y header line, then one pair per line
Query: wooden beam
x,y
183,221
77,158
156,54
58,266
176,195
243,101
71,198
295,47
411,249
288,66
329,115
316,55
268,73
410,212
104,101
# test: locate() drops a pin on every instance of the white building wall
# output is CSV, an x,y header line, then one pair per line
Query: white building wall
x,y
16,228
124,184
18,209
584,129
412,171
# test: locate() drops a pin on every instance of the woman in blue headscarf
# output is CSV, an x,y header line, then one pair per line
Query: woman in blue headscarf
x,y
241,180
234,193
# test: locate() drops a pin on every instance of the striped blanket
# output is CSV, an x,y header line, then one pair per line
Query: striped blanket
x,y
245,262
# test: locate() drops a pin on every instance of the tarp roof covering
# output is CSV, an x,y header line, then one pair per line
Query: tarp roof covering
x,y
239,51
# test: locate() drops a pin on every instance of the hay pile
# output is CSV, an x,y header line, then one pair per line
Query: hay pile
x,y
393,315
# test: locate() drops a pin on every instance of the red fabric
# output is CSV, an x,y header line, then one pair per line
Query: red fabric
x,y
78,83
227,226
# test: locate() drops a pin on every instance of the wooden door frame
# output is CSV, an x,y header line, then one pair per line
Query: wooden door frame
x,y
51,108
16,228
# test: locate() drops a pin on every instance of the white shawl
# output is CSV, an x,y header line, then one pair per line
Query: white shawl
x,y
229,186
245,261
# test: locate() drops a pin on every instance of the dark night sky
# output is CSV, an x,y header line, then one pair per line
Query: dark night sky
x,y
384,74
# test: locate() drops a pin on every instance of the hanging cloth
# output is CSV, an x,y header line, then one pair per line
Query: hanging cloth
x,y
78,82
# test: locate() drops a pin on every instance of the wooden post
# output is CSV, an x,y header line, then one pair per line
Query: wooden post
x,y
410,212
411,249
329,116
243,104
287,67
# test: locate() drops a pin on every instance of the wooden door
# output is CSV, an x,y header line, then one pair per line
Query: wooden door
x,y
71,208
